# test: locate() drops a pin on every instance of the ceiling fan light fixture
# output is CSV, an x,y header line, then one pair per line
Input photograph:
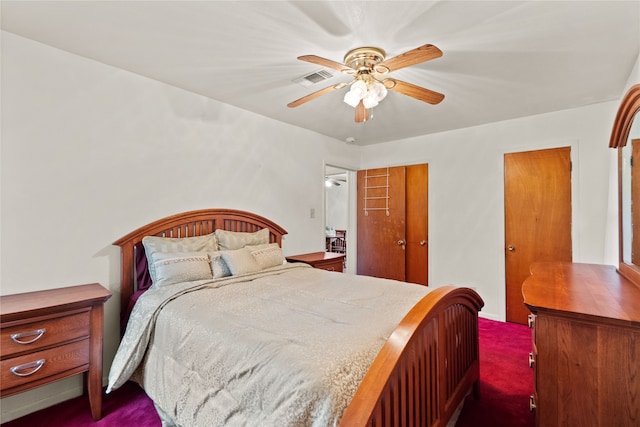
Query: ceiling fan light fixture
x,y
371,92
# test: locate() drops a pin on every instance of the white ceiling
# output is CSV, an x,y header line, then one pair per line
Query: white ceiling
x,y
502,59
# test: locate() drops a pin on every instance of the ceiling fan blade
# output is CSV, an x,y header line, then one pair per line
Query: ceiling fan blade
x,y
411,57
417,92
315,95
327,63
362,114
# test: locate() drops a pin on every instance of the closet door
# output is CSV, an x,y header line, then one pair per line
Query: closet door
x,y
392,223
537,200
417,220
381,223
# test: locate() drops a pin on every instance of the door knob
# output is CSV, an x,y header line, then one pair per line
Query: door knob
x,y
511,248
401,242
423,242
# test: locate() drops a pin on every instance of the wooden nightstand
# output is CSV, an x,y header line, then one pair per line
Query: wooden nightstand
x,y
49,335
325,260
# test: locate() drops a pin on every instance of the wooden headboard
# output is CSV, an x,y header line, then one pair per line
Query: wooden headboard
x,y
187,224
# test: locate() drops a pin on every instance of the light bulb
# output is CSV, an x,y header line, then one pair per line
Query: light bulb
x,y
379,89
352,99
359,88
370,100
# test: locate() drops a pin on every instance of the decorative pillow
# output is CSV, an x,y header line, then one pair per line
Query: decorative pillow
x,y
180,267
269,255
219,268
154,244
240,261
230,240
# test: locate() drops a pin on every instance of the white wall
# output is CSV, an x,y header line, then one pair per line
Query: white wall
x,y
466,185
91,152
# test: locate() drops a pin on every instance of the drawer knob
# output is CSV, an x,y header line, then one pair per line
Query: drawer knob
x,y
37,334
34,366
531,320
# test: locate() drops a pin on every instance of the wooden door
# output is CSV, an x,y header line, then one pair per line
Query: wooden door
x,y
381,223
537,217
417,220
393,223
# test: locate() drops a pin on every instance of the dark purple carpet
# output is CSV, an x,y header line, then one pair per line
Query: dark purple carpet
x,y
506,380
127,406
505,385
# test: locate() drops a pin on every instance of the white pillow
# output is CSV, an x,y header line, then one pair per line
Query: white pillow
x,y
269,255
154,244
240,261
173,268
219,268
230,240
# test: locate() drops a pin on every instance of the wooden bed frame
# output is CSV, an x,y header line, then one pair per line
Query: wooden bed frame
x,y
424,370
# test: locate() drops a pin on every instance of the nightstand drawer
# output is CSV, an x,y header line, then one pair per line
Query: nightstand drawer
x,y
33,367
323,260
333,265
43,332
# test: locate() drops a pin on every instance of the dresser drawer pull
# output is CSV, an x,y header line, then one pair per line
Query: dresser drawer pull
x,y
532,403
531,360
34,366
38,334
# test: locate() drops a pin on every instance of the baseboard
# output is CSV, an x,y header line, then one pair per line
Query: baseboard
x,y
25,403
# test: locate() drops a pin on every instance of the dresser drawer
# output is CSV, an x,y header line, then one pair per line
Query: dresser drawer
x,y
33,367
36,333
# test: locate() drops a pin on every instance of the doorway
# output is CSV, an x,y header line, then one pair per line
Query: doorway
x,y
336,212
537,200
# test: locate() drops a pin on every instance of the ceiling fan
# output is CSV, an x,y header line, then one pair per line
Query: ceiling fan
x,y
335,179
369,86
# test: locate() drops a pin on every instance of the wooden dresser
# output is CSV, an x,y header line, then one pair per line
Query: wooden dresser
x,y
586,345
50,335
330,261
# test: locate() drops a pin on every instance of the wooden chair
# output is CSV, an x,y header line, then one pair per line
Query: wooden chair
x,y
339,243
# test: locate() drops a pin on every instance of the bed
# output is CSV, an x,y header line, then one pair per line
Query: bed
x,y
288,344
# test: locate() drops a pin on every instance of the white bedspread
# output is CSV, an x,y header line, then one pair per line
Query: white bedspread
x,y
284,347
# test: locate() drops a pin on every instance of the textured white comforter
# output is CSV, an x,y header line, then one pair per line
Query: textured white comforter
x,y
284,347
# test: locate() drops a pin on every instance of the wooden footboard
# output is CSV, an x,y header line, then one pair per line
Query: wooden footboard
x,y
425,368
